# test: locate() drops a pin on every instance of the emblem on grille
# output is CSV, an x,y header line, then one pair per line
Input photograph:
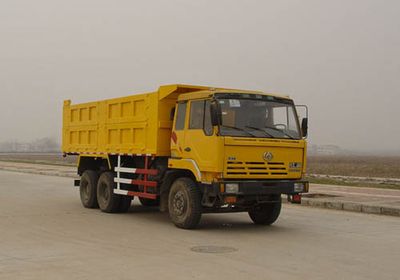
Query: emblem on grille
x,y
268,156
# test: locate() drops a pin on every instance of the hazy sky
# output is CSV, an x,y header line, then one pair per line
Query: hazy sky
x,y
342,58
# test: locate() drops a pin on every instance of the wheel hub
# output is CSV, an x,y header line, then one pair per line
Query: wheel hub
x,y
179,203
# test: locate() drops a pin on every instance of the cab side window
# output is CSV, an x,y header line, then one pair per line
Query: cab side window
x,y
200,117
196,119
208,128
180,116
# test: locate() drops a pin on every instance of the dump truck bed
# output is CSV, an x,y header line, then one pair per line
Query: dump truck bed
x,y
136,124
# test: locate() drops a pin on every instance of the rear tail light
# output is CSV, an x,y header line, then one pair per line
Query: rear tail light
x,y
296,198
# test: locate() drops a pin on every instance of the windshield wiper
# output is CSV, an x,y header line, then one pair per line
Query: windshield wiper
x,y
259,129
284,133
240,129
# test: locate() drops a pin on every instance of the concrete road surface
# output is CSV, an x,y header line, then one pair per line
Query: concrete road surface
x,y
45,233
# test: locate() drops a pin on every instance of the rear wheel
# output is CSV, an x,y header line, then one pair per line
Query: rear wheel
x,y
149,202
184,203
108,201
266,213
88,189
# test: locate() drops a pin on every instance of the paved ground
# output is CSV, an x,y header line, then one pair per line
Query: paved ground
x,y
46,234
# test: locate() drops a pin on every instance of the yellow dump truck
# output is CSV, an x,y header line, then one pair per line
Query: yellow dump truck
x,y
189,150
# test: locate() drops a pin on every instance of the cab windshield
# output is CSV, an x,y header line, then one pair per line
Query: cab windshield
x,y
258,116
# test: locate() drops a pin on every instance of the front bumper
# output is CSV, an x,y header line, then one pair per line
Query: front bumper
x,y
246,194
265,187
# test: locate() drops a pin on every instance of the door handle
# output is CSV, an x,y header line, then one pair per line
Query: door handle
x,y
188,149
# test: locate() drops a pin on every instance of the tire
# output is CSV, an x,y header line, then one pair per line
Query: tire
x,y
88,189
125,203
149,202
184,203
266,213
109,202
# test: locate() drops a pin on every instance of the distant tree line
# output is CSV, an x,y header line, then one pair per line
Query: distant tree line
x,y
42,145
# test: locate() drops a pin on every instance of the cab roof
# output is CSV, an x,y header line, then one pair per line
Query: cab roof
x,y
185,92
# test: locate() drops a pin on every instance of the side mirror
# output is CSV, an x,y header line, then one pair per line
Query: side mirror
x,y
304,127
215,113
302,111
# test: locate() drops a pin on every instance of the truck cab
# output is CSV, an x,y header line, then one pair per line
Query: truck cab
x,y
244,148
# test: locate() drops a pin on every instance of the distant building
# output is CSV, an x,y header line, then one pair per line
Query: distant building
x,y
326,150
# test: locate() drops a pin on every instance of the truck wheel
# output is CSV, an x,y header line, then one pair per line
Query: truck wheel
x,y
108,201
149,202
125,203
184,203
266,213
88,189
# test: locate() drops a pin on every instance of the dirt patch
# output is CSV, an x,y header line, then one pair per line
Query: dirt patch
x,y
213,249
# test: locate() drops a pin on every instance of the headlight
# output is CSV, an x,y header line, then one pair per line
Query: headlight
x,y
298,187
232,188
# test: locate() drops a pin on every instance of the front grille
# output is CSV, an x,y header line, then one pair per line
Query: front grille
x,y
258,168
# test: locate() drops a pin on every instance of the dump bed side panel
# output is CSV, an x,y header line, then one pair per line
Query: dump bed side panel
x,y
80,127
121,125
136,124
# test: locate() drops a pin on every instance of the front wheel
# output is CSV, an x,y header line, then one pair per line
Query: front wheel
x,y
266,213
184,203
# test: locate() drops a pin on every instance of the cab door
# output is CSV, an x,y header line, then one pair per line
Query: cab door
x,y
200,141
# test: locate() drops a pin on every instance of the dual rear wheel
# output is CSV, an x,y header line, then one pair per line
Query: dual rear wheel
x,y
110,202
88,189
98,192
